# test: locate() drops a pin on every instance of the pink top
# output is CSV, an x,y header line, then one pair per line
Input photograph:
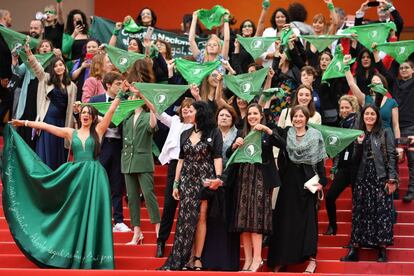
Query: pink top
x,y
91,87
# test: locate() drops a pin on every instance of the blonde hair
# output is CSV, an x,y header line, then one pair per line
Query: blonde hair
x,y
218,40
352,100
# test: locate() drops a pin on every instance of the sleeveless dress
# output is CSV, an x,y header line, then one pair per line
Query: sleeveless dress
x,y
60,218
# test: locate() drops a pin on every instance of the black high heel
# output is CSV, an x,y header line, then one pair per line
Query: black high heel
x,y
195,267
352,255
382,255
331,231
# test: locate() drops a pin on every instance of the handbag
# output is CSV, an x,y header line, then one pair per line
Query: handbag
x,y
312,184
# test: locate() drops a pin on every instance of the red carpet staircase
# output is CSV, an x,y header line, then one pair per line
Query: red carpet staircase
x,y
140,259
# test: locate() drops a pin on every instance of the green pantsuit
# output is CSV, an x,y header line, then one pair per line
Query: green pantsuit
x,y
137,165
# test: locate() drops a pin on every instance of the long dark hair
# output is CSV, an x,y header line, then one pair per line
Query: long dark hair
x,y
272,18
69,22
378,96
141,71
241,27
153,16
246,126
378,124
361,71
92,130
204,118
54,79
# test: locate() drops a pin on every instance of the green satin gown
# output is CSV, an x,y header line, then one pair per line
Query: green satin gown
x,y
58,218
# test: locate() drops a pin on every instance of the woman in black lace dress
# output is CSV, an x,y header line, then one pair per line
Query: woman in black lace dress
x,y
200,159
376,180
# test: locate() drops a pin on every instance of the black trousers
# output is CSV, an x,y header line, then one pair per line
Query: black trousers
x,y
342,179
170,205
110,159
6,103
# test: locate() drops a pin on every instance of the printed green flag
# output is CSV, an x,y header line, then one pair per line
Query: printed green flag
x,y
370,33
122,59
211,18
124,108
43,59
194,72
399,50
256,46
378,88
131,27
284,36
321,42
269,93
246,85
336,139
15,39
250,152
336,69
161,96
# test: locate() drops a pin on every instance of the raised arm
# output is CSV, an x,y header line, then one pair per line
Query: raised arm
x,y
103,125
191,36
59,11
352,84
261,21
226,43
218,96
62,132
115,32
335,19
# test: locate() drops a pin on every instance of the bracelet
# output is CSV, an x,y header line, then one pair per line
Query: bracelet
x,y
26,123
58,1
331,6
226,20
115,32
176,183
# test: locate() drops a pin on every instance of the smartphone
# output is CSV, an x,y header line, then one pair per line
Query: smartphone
x,y
79,23
148,34
373,4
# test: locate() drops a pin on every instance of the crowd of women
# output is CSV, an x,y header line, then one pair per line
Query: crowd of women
x,y
220,207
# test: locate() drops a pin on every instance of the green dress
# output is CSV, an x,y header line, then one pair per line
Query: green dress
x,y
58,218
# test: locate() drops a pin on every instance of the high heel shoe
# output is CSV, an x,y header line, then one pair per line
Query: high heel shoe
x,y
139,240
352,255
331,231
311,266
259,268
196,267
382,255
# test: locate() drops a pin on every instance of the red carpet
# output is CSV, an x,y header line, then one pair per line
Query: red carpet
x,y
139,259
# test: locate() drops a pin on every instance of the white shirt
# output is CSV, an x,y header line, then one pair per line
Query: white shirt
x,y
171,149
111,132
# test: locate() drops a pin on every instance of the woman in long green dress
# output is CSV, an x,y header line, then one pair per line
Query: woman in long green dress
x,y
60,218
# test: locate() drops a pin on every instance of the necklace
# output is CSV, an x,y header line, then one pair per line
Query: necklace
x,y
300,135
196,130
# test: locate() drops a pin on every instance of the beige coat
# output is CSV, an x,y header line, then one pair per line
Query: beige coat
x,y
43,100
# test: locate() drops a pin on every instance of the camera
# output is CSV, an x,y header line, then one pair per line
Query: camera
x,y
40,16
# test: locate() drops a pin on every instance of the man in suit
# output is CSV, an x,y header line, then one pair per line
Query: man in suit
x,y
110,156
5,67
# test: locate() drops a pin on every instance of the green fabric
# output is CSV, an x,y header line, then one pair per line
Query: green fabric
x,y
194,72
250,152
321,42
123,110
378,88
43,59
155,149
161,96
131,27
336,139
284,37
58,218
399,50
67,43
256,46
211,18
14,39
122,59
337,68
266,4
246,85
370,33
269,93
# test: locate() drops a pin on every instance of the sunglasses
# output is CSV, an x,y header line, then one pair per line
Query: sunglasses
x,y
247,26
50,12
405,68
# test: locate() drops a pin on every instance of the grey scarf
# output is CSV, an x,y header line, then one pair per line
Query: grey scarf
x,y
310,150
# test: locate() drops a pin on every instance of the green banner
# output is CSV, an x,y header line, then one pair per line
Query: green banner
x,y
269,93
250,152
101,29
256,46
122,59
370,33
336,69
124,108
336,139
246,85
321,42
194,72
399,50
161,96
15,39
43,59
211,18
131,27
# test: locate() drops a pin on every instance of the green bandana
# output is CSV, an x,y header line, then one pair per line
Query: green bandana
x,y
124,108
336,139
122,59
43,59
378,88
321,42
370,33
269,93
15,39
161,96
399,50
194,72
211,18
250,152
131,27
256,46
337,68
284,37
245,85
